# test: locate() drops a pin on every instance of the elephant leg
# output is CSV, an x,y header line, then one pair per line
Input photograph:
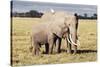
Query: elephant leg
x,y
54,46
68,46
51,47
58,43
47,48
52,42
36,49
75,49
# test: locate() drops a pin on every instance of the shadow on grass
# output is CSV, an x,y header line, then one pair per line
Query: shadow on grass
x,y
86,51
81,51
78,51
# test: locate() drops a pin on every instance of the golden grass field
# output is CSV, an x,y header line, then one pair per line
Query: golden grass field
x,y
21,55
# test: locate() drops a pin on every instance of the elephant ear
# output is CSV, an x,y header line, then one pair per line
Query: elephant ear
x,y
57,30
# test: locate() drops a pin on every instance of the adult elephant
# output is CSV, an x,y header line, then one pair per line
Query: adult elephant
x,y
46,34
58,19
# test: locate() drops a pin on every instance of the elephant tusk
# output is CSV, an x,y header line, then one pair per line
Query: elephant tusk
x,y
68,40
73,42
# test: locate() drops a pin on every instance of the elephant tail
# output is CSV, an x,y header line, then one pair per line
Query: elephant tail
x,y
31,43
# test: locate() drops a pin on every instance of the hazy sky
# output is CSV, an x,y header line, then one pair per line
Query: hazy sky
x,y
23,6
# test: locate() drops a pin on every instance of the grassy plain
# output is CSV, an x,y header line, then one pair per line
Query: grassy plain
x,y
21,55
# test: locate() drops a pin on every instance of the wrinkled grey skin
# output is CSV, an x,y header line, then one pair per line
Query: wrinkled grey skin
x,y
58,19
43,34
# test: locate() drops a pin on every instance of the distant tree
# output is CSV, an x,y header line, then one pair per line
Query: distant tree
x,y
33,13
27,14
95,15
85,15
21,14
14,14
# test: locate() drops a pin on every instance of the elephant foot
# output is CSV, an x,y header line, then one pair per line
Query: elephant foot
x,y
34,54
37,54
75,52
59,51
46,52
50,53
75,49
69,51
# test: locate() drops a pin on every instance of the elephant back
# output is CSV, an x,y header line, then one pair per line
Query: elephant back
x,y
58,16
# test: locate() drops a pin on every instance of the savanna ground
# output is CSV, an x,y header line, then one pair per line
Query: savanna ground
x,y
21,55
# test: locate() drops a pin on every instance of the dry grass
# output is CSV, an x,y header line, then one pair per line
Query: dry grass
x,y
22,29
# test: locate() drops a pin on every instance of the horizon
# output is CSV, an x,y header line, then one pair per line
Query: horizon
x,y
25,6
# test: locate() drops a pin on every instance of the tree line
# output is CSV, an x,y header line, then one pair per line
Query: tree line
x,y
85,16
31,13
36,14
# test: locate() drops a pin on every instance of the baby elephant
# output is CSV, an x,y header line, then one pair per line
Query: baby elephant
x,y
43,35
